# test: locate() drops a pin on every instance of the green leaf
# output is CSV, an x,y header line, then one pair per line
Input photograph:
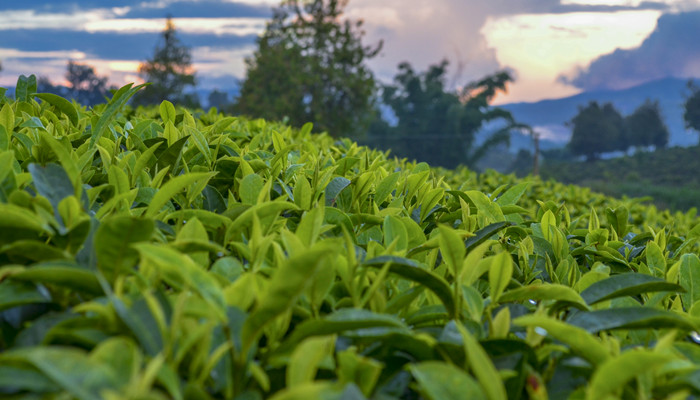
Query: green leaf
x,y
629,318
629,284
655,258
452,249
52,182
482,366
411,270
394,229
343,320
69,368
484,234
288,282
110,112
500,272
334,187
114,237
13,294
486,207
64,157
580,341
62,104
612,376
689,278
64,274
170,156
25,88
512,195
617,219
441,381
167,111
173,187
178,270
385,187
143,161
7,118
306,358
544,292
250,188
302,193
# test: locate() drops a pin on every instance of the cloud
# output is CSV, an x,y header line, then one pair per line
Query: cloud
x,y
423,32
672,49
110,45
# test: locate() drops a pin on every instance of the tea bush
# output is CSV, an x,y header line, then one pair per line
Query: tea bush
x,y
165,253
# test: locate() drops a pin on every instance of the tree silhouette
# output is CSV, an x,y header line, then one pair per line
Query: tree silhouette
x,y
310,66
170,71
691,114
85,85
450,120
645,126
597,130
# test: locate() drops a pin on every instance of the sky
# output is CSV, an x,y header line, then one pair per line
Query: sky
x,y
554,48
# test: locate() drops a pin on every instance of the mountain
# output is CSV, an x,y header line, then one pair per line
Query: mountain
x,y
548,117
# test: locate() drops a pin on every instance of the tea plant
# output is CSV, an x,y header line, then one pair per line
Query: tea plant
x,y
166,253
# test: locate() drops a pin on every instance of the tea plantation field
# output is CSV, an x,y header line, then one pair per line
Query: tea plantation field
x,y
168,253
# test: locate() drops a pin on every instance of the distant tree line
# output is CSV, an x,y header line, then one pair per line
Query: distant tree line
x,y
598,129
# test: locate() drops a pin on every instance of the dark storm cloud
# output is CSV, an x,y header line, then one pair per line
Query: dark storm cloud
x,y
555,7
672,49
111,46
201,9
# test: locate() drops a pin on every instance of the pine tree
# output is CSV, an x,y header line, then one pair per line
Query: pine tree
x,y
170,71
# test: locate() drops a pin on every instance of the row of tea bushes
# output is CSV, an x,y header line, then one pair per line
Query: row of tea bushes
x,y
170,253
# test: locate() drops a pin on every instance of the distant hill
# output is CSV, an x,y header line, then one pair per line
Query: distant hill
x,y
549,116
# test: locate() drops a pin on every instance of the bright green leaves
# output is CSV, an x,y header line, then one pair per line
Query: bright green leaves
x,y
440,381
167,112
689,278
175,186
395,233
630,284
490,210
115,105
500,272
288,282
612,376
113,242
250,188
306,358
179,271
7,118
65,106
452,248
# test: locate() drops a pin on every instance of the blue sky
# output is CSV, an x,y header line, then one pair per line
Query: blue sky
x,y
554,47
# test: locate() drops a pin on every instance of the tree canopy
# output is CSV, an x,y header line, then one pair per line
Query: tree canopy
x,y
426,111
691,114
85,85
170,71
598,129
646,127
310,66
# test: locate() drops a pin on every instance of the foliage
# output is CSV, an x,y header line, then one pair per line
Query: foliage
x,y
691,114
86,86
161,253
170,71
645,126
310,66
598,129
438,125
668,175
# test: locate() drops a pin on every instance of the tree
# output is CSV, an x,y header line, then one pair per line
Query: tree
x,y
691,115
217,99
429,115
310,66
86,87
645,126
597,130
170,71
